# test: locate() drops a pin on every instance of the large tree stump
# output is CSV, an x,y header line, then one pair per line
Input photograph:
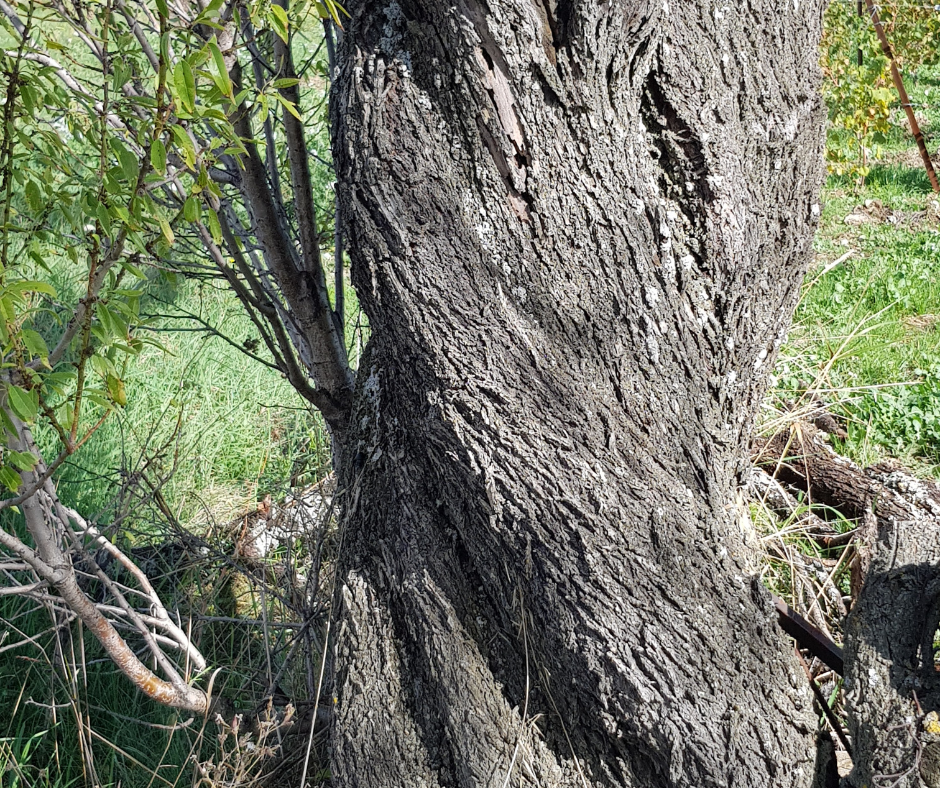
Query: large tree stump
x,y
891,678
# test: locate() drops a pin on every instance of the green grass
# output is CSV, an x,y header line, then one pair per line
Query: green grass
x,y
203,414
222,430
867,332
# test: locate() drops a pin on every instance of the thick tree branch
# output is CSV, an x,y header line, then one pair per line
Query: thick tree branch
x,y
299,164
304,292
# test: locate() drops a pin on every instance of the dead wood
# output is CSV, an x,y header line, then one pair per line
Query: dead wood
x,y
891,678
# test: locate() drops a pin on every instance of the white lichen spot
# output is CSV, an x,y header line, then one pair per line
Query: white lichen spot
x,y
485,234
392,39
652,296
791,127
761,357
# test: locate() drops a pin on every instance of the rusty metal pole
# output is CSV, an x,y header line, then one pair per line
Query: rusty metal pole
x,y
858,7
905,101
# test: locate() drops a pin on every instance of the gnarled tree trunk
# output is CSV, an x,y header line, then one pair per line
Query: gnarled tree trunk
x,y
578,230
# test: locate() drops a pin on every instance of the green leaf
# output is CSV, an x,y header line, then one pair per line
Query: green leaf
x,y
162,9
185,142
25,404
102,366
288,105
33,195
158,156
30,98
105,218
23,460
130,166
132,269
112,327
7,422
59,382
185,82
106,319
334,8
8,304
10,479
166,230
191,209
279,21
116,390
120,213
285,82
211,11
35,344
220,75
35,254
30,286
99,399
212,219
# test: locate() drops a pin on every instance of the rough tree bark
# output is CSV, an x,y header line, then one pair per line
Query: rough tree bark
x,y
578,230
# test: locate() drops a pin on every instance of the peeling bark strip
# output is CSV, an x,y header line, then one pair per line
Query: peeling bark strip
x,y
579,249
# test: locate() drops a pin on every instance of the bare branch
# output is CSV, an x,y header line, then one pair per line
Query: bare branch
x,y
47,522
304,291
158,611
139,35
10,14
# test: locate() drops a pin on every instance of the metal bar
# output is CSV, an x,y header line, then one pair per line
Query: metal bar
x,y
809,637
905,101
